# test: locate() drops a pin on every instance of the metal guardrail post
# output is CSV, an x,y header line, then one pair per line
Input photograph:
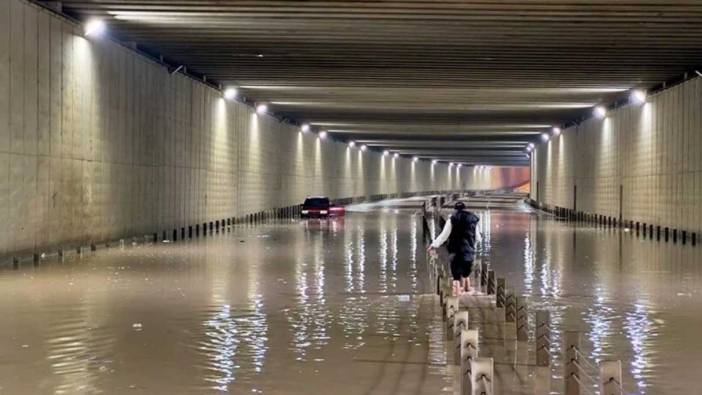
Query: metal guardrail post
x,y
522,319
500,293
510,306
491,282
469,351
478,276
611,378
451,310
483,275
460,323
571,375
482,376
543,338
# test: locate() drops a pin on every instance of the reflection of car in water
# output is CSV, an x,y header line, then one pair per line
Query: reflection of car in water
x,y
321,207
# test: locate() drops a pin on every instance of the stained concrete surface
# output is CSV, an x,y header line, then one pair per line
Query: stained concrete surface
x,y
343,306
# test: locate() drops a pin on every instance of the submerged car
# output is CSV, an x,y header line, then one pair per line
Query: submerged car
x,y
321,207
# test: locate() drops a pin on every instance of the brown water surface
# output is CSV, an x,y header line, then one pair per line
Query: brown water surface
x,y
341,306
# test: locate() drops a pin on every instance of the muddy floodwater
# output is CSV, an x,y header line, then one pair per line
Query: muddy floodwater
x,y
339,306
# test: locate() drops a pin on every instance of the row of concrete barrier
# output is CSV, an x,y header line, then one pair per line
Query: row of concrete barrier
x,y
174,235
225,224
476,371
640,228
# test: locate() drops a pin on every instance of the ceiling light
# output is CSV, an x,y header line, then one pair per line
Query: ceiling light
x,y
385,153
544,136
363,148
638,96
305,127
460,165
531,145
261,109
95,28
556,130
396,155
414,159
600,111
352,143
322,135
230,93
434,162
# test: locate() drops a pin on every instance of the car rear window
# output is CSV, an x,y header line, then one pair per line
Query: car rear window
x,y
316,202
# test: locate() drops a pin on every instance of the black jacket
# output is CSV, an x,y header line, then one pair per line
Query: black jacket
x,y
462,238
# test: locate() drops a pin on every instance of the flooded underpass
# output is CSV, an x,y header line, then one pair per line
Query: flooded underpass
x,y
343,305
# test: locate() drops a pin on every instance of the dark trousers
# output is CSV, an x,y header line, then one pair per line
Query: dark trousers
x,y
461,265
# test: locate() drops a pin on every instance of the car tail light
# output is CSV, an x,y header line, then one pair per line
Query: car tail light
x,y
323,212
305,211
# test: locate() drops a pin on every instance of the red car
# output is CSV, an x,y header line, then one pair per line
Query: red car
x,y
321,207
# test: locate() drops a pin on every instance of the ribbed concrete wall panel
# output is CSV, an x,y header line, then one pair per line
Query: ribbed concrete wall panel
x,y
98,142
651,151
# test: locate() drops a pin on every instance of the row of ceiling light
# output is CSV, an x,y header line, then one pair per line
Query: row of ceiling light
x,y
96,28
636,96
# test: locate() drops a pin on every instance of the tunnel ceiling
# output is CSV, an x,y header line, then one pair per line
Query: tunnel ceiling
x,y
465,81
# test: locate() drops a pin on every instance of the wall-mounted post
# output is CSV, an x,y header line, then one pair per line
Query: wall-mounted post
x,y
478,275
460,323
522,319
611,378
491,282
483,275
510,306
469,351
451,310
571,375
543,355
543,338
482,376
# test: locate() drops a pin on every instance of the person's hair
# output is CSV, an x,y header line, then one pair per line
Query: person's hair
x,y
459,206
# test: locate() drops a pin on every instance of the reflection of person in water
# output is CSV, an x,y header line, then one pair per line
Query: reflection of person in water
x,y
462,234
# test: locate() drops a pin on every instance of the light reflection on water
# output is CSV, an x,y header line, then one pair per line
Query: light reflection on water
x,y
611,287
284,308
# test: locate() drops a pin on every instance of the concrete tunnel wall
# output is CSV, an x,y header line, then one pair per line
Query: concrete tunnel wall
x,y
98,142
652,151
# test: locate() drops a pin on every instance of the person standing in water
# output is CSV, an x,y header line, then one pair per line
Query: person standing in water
x,y
462,233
